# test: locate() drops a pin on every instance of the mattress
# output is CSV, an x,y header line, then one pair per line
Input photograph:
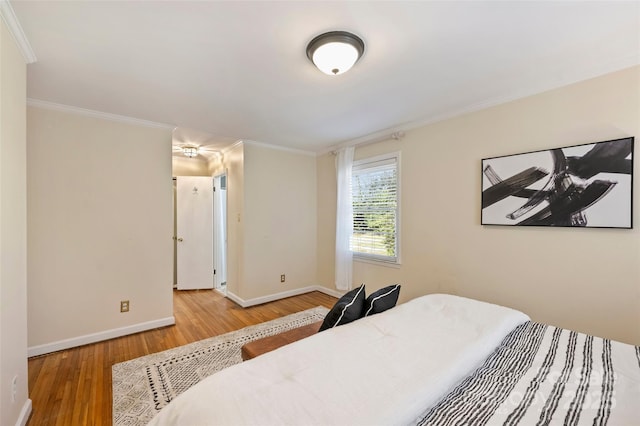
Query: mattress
x,y
436,360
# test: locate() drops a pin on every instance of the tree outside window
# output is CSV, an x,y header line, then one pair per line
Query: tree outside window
x,y
374,191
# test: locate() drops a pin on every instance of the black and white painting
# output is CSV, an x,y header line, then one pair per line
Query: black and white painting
x,y
584,185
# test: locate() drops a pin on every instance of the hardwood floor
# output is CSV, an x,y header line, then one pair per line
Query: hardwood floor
x,y
73,387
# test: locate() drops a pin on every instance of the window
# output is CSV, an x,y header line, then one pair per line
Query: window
x,y
375,194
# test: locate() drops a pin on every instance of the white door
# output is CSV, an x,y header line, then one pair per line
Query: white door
x,y
220,231
194,232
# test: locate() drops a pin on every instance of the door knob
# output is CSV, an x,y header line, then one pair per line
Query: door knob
x,y
180,239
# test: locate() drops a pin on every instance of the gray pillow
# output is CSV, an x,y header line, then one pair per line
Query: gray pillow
x,y
381,300
347,309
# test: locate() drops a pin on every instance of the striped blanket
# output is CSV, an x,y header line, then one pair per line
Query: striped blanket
x,y
542,375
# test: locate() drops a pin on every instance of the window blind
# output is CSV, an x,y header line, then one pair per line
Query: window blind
x,y
374,189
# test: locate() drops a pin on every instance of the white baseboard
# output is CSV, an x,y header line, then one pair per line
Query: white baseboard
x,y
236,299
98,337
330,291
24,413
163,322
277,296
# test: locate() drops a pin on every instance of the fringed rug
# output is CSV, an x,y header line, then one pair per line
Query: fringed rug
x,y
142,386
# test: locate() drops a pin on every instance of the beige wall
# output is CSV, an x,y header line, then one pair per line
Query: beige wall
x,y
271,220
215,166
583,279
234,165
279,221
100,225
183,166
13,231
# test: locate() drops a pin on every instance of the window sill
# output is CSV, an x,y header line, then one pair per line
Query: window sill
x,y
386,264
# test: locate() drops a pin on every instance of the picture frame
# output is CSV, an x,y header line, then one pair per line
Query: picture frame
x,y
588,185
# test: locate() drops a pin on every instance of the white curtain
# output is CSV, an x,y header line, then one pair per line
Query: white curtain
x,y
344,219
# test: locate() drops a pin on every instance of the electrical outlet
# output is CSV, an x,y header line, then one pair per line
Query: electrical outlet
x,y
124,306
282,278
14,388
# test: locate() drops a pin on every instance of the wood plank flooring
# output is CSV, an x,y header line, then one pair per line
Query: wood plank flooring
x,y
73,387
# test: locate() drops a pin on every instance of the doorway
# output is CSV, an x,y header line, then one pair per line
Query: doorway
x,y
220,232
200,260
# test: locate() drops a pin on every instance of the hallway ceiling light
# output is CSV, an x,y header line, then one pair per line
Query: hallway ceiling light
x,y
190,151
335,52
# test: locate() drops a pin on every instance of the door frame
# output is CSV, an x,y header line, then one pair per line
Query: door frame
x,y
218,277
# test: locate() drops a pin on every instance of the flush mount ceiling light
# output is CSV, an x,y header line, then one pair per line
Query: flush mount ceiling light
x,y
335,52
190,151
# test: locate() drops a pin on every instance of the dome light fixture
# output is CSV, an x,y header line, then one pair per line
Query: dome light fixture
x,y
190,151
335,52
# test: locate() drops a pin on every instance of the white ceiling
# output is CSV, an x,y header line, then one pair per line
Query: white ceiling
x,y
238,70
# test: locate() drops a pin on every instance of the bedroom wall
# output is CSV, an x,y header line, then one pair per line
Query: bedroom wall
x,y
271,221
216,164
99,228
582,279
234,165
279,221
13,232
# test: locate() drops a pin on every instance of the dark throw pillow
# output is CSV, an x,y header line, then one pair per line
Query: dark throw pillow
x,y
381,300
349,308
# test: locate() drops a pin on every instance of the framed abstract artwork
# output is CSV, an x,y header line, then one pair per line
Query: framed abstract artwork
x,y
588,185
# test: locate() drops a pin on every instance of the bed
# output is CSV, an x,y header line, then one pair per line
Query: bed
x,y
435,360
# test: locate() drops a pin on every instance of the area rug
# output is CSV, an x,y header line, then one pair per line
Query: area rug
x,y
142,386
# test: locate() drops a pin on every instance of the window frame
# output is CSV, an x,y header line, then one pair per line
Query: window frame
x,y
375,258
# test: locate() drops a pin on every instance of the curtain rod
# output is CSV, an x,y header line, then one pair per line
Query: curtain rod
x,y
396,136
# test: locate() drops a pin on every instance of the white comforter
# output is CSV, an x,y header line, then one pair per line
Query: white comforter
x,y
384,369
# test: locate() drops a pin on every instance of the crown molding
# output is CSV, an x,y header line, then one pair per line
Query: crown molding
x,y
599,70
268,146
97,114
13,25
383,135
280,148
224,151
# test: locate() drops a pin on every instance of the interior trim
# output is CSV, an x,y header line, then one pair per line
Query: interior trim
x,y
98,337
277,296
599,69
96,114
25,413
270,146
163,322
13,25
280,148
